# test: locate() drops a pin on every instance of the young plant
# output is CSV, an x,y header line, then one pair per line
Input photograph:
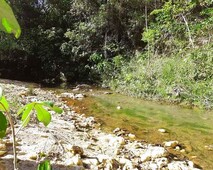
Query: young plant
x,y
40,108
9,24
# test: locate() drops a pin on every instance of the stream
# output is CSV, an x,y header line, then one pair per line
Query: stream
x,y
192,128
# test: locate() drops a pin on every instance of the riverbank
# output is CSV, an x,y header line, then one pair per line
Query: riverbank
x,y
74,141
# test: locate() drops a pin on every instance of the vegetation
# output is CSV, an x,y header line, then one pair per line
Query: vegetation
x,y
150,49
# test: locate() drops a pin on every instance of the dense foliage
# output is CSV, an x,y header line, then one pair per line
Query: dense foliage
x,y
160,49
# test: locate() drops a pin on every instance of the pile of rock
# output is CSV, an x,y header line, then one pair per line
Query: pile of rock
x,y
71,141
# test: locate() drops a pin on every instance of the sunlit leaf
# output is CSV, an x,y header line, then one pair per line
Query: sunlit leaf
x,y
49,104
25,116
3,125
53,107
8,22
43,115
20,111
4,106
57,109
44,166
0,93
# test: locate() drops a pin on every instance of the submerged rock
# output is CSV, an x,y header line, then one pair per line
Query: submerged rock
x,y
171,144
209,147
162,130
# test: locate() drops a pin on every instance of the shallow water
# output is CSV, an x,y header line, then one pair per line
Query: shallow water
x,y
193,128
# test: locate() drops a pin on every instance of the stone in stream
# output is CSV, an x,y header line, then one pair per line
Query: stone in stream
x,y
162,130
209,147
171,144
118,107
131,136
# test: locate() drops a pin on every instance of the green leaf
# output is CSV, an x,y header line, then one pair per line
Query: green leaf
x,y
8,22
53,107
25,116
0,93
3,125
48,104
44,166
20,111
57,109
4,107
43,115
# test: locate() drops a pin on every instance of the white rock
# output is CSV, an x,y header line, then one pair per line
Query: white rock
x,y
118,107
69,95
121,140
153,166
191,164
77,160
152,153
161,162
180,165
91,161
76,89
79,96
102,158
171,144
162,130
131,136
128,165
177,148
106,92
69,162
182,150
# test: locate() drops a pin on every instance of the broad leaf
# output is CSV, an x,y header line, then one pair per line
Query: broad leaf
x,y
44,166
57,109
3,125
0,92
53,107
4,106
20,111
43,115
26,114
48,104
8,22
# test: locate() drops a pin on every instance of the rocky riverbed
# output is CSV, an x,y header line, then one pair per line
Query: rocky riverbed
x,y
73,141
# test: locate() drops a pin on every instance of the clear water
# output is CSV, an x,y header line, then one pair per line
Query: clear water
x,y
193,128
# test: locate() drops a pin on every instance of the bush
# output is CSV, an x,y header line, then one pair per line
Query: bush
x,y
185,77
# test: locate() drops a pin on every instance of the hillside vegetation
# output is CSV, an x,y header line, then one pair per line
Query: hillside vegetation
x,y
149,49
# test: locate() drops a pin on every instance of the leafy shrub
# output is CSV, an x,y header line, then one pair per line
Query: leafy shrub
x,y
185,77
